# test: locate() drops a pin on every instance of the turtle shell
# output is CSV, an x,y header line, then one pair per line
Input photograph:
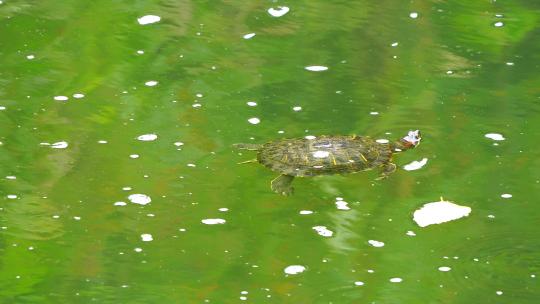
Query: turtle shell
x,y
324,155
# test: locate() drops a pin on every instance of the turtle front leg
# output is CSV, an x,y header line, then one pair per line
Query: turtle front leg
x,y
386,170
282,184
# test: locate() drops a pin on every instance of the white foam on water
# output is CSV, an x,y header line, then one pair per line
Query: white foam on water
x,y
223,209
178,143
495,136
11,177
415,165
138,249
30,57
382,140
78,95
146,237
294,269
444,268
323,231
375,243
316,68
413,15
11,196
59,145
147,137
373,113
439,212
249,36
310,137
120,203
251,103
396,280
499,292
279,11
140,199
61,98
411,233
305,212
254,120
498,24
359,283
215,221
134,156
140,52
394,44
297,108
506,195
148,19
151,83
102,141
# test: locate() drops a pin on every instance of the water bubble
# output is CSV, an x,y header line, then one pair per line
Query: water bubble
x,y
251,103
141,199
148,19
506,195
254,120
297,108
359,283
396,280
249,36
61,98
376,243
150,83
146,237
316,68
498,24
323,231
294,269
30,57
444,268
215,221
279,11
413,15
78,95
147,137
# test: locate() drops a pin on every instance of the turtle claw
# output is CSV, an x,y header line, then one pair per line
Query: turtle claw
x,y
282,185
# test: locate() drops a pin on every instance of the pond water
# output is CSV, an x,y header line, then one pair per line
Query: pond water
x,y
119,182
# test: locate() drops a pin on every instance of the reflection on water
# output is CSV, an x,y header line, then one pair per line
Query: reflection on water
x,y
120,184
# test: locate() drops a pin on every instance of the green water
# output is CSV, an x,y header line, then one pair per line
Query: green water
x,y
456,70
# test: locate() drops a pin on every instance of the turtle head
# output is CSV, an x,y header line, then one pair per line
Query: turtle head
x,y
408,142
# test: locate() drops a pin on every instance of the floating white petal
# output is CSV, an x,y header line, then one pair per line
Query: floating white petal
x,y
147,137
141,199
146,237
415,165
213,221
148,19
59,145
294,269
495,136
439,212
322,230
316,68
375,243
279,11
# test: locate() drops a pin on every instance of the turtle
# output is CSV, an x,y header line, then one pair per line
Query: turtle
x,y
325,155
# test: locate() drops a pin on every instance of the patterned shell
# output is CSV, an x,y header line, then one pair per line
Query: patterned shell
x,y
324,155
